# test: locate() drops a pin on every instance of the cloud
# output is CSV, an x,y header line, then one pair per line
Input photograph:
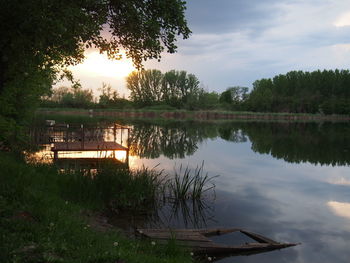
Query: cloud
x,y
237,42
207,16
343,20
340,209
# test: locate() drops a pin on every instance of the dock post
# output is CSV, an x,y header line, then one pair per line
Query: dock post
x,y
128,139
82,136
115,132
127,157
67,135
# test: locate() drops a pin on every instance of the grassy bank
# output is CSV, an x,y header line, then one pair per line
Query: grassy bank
x,y
185,115
46,216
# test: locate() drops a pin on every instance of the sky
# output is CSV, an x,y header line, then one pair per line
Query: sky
x,y
235,42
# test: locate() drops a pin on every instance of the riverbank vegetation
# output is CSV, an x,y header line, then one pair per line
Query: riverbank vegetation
x,y
317,92
48,216
324,91
41,217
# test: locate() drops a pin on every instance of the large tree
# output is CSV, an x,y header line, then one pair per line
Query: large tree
x,y
174,88
40,38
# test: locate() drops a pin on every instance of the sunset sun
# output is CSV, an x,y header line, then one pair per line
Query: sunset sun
x,y
98,65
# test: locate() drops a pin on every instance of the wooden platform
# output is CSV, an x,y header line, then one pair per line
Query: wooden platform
x,y
87,146
197,240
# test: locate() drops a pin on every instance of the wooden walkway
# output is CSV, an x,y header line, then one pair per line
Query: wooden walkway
x,y
200,244
87,146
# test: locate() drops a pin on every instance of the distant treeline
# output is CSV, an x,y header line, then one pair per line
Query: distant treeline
x,y
324,92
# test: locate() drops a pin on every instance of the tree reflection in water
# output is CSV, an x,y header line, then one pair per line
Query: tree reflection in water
x,y
323,143
176,139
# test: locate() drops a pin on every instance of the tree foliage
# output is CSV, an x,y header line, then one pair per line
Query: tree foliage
x,y
74,97
109,98
234,97
40,38
174,88
325,91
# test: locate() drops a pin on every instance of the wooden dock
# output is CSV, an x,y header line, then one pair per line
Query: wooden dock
x,y
87,146
197,240
73,138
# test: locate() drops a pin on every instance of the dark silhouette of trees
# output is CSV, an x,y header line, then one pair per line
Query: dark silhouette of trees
x,y
39,39
325,91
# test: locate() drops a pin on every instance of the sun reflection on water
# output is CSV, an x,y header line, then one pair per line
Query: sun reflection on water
x,y
45,155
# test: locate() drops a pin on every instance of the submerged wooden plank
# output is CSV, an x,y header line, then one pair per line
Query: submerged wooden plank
x,y
251,248
179,234
201,245
259,238
211,248
217,231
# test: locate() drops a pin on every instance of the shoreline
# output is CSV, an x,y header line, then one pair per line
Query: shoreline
x,y
192,115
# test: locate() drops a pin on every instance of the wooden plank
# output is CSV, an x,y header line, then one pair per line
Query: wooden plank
x,y
201,245
259,238
218,231
183,235
87,146
246,249
211,248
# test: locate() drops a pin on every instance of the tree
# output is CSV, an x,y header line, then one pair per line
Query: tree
x,y
39,39
145,86
208,100
174,88
170,90
74,96
297,91
193,92
234,97
108,95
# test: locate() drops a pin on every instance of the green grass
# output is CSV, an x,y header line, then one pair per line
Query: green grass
x,y
117,189
43,218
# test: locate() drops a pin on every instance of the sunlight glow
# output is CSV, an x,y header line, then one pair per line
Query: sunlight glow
x,y
343,20
98,65
340,209
118,154
45,155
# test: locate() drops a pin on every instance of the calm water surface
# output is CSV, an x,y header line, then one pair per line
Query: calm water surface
x,y
287,181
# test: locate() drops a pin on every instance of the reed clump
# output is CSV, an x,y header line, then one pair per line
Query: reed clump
x,y
117,189
190,185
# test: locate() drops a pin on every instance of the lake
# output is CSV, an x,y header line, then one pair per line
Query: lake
x,y
289,181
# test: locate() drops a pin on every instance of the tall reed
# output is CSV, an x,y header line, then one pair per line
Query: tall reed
x,y
187,185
